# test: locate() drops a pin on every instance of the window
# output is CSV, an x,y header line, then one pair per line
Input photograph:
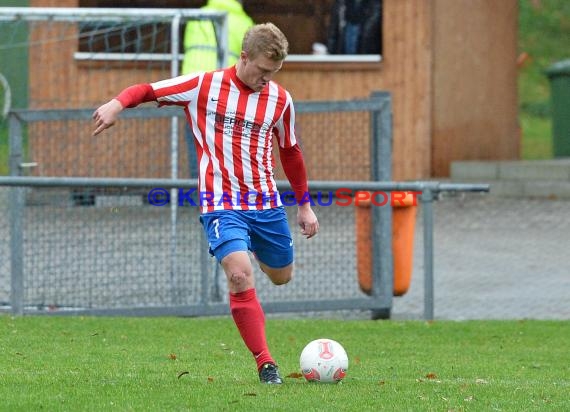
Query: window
x,y
317,30
350,30
137,38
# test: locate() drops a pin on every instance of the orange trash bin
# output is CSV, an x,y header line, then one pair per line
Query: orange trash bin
x,y
404,209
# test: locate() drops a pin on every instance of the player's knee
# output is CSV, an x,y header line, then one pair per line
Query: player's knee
x,y
238,278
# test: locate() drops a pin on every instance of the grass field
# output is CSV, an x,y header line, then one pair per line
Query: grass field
x,y
176,364
544,29
4,150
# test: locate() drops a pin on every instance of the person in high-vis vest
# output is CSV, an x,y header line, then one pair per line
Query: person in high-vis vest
x,y
201,52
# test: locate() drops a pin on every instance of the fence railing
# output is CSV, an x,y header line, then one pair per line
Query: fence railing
x,y
190,285
91,244
379,301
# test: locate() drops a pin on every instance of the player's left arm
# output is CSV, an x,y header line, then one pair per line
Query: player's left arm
x,y
295,170
294,167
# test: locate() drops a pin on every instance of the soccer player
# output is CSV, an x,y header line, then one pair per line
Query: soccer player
x,y
201,51
234,114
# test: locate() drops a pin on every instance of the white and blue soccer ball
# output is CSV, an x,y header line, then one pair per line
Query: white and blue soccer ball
x,y
324,360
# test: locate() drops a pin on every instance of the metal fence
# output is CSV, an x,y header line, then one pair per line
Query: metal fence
x,y
118,259
80,236
95,246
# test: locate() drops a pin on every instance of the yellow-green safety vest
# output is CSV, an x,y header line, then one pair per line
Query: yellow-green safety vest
x,y
200,39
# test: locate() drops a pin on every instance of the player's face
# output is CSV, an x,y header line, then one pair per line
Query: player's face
x,y
256,73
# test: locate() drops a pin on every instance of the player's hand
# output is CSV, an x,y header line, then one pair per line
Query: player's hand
x,y
307,220
106,115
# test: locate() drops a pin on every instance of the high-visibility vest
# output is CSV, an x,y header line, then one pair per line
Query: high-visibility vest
x,y
200,39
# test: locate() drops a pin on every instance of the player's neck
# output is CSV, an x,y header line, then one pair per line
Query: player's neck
x,y
240,77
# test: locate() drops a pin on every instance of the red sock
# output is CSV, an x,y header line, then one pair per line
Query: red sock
x,y
250,321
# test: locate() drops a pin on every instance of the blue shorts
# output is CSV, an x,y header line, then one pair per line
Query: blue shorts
x,y
264,232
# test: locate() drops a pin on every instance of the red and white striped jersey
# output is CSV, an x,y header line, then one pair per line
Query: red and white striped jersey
x,y
233,128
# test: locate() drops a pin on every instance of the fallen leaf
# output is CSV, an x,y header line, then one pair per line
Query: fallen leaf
x,y
172,356
183,373
523,59
210,379
431,375
381,383
250,394
295,375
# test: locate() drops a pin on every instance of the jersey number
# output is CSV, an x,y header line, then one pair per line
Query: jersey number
x,y
217,228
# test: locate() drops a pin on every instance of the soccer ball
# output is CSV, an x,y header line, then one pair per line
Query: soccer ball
x,y
324,360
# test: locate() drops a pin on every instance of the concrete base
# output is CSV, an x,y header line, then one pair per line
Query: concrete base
x,y
525,178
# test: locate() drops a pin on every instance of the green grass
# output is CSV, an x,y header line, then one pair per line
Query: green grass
x,y
177,364
4,150
544,29
537,142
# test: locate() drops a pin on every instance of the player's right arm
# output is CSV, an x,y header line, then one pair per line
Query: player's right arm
x,y
106,115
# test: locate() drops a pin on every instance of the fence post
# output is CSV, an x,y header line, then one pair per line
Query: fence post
x,y
381,168
222,36
427,199
16,218
174,63
205,269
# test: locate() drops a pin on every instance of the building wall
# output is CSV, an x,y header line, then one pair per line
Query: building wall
x,y
474,82
405,71
449,64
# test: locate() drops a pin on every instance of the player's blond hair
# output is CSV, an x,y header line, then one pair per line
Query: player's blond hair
x,y
267,40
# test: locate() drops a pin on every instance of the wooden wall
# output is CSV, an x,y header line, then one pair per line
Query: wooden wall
x,y
449,64
474,114
405,71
